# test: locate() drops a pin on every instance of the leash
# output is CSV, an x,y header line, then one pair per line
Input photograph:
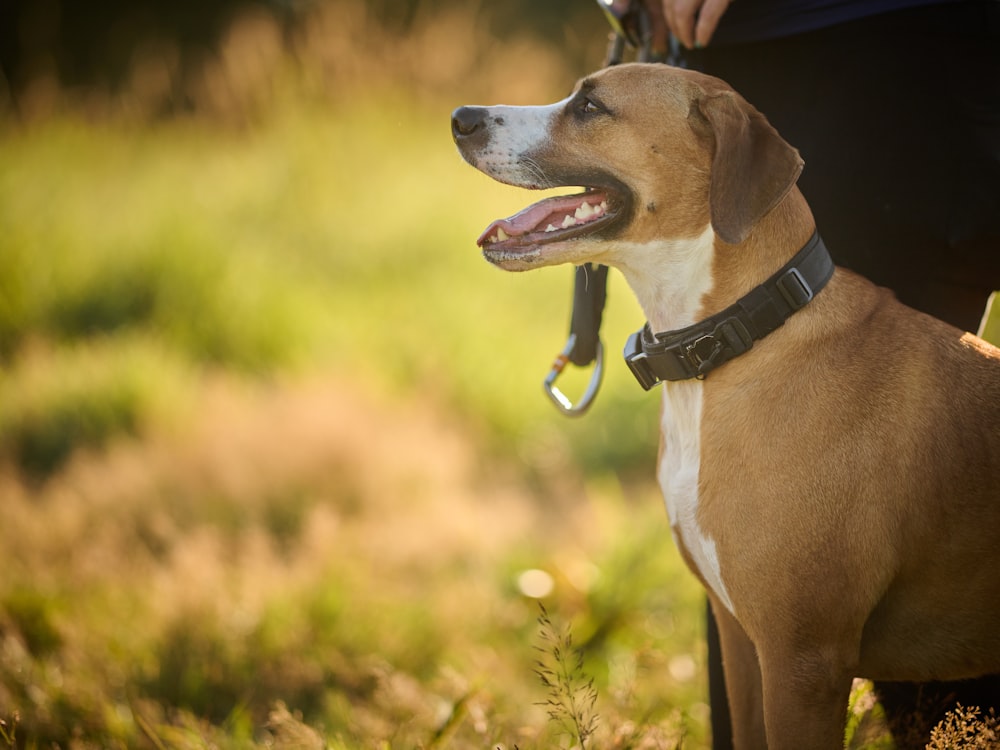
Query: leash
x,y
630,25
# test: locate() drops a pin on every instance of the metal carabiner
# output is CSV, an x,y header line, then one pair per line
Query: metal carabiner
x,y
560,399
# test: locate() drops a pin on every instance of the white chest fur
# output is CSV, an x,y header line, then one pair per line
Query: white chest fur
x,y
680,463
669,278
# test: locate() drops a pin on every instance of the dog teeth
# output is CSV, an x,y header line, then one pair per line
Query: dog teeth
x,y
584,212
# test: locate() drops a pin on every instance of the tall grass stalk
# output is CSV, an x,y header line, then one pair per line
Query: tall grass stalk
x,y
572,695
8,730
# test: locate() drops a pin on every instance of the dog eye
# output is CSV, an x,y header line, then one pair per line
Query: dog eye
x,y
587,106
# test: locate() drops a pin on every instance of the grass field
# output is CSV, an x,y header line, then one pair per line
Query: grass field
x,y
275,465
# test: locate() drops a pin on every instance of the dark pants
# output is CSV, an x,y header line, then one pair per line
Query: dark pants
x,y
898,119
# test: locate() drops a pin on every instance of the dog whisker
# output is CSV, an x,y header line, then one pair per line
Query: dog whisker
x,y
536,170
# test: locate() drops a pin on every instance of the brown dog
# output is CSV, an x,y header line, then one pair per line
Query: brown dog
x,y
836,485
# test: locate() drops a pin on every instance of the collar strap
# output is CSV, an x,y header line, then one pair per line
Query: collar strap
x,y
694,351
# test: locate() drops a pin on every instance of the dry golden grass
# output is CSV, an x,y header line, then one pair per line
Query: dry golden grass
x,y
348,553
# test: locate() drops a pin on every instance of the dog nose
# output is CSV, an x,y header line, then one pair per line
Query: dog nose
x,y
468,123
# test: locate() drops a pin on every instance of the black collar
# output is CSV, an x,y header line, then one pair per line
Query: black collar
x,y
694,351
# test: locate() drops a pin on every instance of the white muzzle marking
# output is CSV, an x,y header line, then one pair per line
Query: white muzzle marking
x,y
516,132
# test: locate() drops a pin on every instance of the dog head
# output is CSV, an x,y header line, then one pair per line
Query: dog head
x,y
660,152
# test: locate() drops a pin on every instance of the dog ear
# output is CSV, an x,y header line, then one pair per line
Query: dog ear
x,y
752,167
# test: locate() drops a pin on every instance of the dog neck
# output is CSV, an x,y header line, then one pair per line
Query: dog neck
x,y
777,237
669,277
681,281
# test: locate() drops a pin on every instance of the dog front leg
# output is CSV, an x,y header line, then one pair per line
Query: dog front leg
x,y
743,683
805,697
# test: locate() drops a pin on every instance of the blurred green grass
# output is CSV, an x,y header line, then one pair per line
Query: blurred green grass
x,y
195,539
340,238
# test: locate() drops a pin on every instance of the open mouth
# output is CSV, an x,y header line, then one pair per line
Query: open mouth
x,y
553,220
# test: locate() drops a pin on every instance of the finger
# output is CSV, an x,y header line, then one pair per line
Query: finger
x,y
708,20
681,19
668,15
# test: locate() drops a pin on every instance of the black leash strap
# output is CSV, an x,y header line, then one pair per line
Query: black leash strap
x,y
589,294
630,25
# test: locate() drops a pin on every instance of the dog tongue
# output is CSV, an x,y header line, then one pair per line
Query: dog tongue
x,y
560,212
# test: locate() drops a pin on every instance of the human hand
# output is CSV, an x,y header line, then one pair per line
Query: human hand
x,y
693,22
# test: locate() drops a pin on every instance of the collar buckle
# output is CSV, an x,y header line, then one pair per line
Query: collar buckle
x,y
638,362
795,289
703,352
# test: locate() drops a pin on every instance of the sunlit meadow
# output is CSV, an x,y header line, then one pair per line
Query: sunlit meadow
x,y
277,469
